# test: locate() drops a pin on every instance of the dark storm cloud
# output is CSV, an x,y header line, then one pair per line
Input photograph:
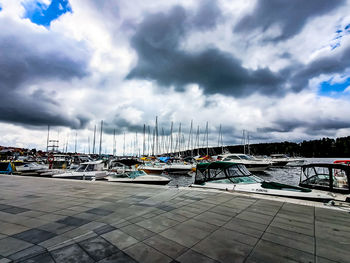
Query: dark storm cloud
x,y
290,16
311,126
336,62
207,16
28,58
157,43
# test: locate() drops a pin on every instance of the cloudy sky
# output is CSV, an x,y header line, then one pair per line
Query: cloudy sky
x,y
279,69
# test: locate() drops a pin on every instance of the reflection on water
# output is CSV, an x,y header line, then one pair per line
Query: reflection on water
x,y
285,175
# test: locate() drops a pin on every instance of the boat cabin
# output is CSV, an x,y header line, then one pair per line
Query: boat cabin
x,y
90,166
327,177
215,171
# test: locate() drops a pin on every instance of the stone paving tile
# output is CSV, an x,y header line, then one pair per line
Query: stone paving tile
x,y
98,248
27,253
73,221
277,253
303,239
157,224
189,232
32,213
225,245
146,254
120,257
10,245
56,242
245,223
4,206
56,228
213,218
119,239
51,217
308,247
255,217
42,258
191,256
223,210
338,252
104,229
99,211
324,260
15,210
11,229
301,230
2,236
166,246
72,253
34,235
137,232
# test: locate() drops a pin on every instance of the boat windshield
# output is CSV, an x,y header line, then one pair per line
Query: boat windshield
x,y
207,172
134,174
81,168
244,157
326,177
240,180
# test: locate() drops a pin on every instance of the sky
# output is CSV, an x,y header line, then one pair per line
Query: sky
x,y
278,69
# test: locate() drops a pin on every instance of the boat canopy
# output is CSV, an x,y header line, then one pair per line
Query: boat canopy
x,y
206,172
164,159
325,176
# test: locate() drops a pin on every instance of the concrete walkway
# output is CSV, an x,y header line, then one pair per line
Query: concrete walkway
x,y
50,220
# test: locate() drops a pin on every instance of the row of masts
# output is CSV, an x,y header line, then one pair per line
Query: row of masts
x,y
155,141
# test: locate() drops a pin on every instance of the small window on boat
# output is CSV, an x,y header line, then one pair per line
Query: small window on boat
x,y
340,180
317,176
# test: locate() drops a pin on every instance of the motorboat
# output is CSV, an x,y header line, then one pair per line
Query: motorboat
x,y
344,162
179,168
327,177
251,163
279,160
30,167
137,177
231,176
152,167
86,171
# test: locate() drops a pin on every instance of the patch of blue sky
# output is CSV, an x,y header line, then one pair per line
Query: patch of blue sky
x,y
330,89
42,14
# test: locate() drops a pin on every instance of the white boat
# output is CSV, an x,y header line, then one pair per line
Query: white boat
x,y
30,167
137,177
230,176
326,177
252,164
179,168
86,171
152,168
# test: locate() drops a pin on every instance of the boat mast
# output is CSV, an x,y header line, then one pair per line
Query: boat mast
x,y
144,140
75,144
189,146
157,141
93,143
48,136
100,150
89,145
149,141
171,137
124,145
207,130
197,140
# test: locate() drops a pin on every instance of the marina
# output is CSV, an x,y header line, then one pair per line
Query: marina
x,y
59,220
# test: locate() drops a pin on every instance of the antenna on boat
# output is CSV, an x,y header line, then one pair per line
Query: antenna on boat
x,y
157,150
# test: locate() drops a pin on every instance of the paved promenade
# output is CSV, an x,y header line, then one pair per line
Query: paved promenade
x,y
49,220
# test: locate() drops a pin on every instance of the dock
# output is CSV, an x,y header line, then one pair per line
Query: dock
x,y
54,220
